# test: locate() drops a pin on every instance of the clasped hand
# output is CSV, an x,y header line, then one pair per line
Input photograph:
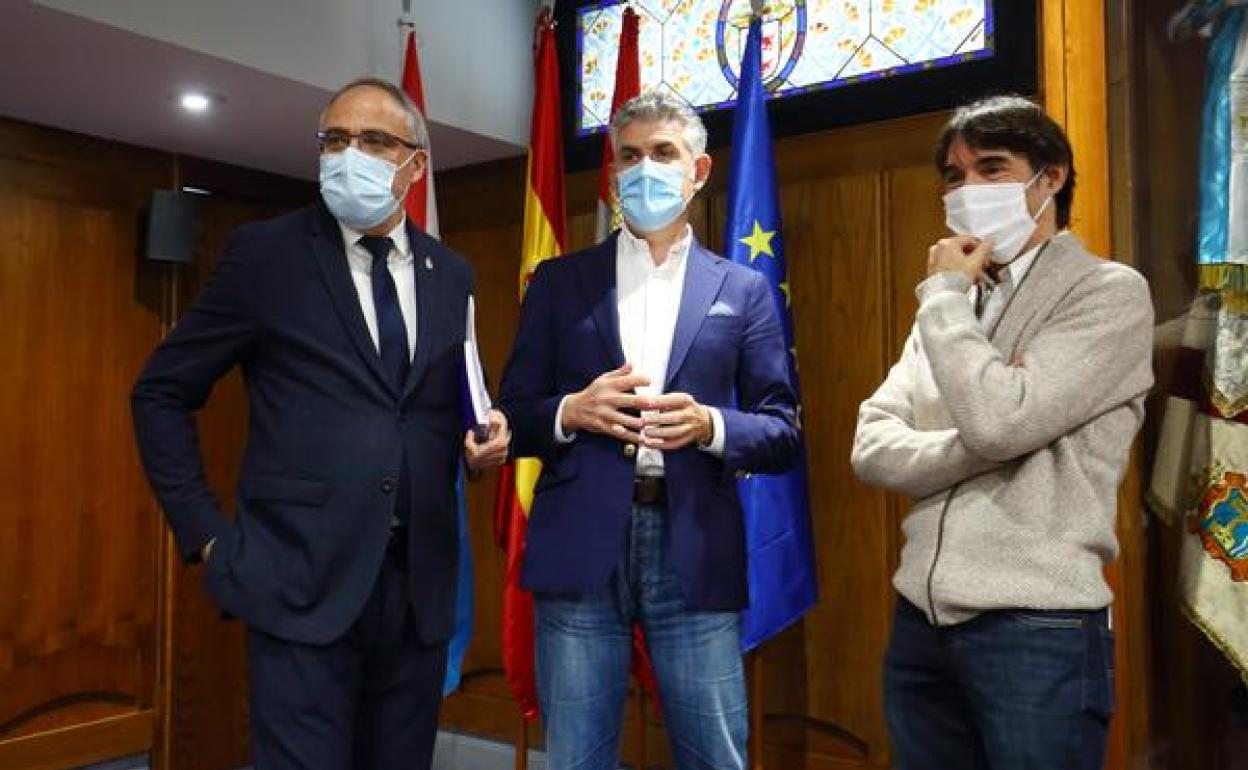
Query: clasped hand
x,y
611,406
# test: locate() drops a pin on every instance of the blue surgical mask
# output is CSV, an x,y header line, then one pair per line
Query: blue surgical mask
x,y
359,188
652,195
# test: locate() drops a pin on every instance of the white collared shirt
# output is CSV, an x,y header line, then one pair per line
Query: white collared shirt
x,y
402,269
648,303
997,300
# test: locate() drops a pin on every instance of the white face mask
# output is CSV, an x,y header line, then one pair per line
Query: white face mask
x,y
996,212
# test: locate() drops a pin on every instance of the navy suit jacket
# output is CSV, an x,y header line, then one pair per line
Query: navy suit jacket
x,y
326,431
728,351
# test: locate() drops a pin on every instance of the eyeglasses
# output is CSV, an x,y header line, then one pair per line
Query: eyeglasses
x,y
371,140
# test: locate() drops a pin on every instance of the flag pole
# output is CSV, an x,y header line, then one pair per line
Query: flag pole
x,y
522,748
642,759
755,667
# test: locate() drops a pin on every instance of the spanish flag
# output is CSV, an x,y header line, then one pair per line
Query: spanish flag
x,y
544,237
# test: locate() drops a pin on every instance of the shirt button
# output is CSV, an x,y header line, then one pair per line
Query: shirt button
x,y
388,484
630,451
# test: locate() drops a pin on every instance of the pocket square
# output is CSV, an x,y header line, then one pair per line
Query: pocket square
x,y
720,308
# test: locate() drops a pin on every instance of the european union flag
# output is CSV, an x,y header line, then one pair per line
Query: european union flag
x,y
777,507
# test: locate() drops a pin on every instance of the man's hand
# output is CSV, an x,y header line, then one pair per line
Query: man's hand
x,y
675,420
961,254
599,408
491,453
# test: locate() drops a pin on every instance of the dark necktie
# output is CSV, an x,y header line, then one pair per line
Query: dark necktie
x,y
391,331
392,344
992,300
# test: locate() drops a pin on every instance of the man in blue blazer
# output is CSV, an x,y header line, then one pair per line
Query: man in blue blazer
x,y
348,323
648,374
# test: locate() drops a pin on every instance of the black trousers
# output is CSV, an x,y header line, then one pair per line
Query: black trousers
x,y
368,701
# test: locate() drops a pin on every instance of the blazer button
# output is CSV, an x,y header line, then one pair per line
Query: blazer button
x,y
389,484
630,451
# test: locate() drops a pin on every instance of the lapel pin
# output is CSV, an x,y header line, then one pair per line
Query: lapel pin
x,y
428,263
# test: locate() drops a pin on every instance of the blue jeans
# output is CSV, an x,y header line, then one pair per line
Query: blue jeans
x,y
584,647
1008,690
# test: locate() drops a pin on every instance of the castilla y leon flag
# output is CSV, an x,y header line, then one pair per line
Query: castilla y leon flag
x,y
421,203
544,237
627,85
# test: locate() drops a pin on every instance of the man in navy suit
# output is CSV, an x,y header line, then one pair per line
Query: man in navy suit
x,y
648,374
348,324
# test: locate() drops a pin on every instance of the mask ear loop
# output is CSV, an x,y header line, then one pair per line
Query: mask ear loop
x,y
399,168
1040,211
697,186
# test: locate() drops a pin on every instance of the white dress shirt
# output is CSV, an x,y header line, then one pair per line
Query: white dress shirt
x,y
648,302
999,295
402,269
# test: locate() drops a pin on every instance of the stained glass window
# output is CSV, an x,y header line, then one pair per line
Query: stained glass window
x,y
693,47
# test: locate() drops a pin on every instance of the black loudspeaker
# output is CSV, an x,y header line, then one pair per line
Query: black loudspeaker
x,y
172,221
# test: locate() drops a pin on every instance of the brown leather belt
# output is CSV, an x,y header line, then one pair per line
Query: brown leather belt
x,y
650,490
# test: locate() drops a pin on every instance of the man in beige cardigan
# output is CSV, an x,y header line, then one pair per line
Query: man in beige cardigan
x,y
1007,421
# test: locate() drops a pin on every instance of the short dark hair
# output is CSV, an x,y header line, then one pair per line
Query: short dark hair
x,y
1018,125
415,120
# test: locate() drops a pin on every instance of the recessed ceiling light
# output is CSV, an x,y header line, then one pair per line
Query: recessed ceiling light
x,y
194,101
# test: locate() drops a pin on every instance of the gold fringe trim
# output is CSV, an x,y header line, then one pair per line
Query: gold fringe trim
x,y
1229,409
1230,281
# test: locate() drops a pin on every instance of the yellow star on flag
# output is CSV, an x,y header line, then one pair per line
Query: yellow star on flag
x,y
759,241
788,298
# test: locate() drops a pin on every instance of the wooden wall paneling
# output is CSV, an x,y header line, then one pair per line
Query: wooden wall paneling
x,y
1075,90
206,725
1136,592
915,199
81,744
582,229
837,268
1168,91
78,528
494,253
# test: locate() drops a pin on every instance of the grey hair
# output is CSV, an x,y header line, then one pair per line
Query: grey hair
x,y
415,120
657,106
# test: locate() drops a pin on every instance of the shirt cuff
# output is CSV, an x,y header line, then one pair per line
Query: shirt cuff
x,y
716,447
948,281
560,438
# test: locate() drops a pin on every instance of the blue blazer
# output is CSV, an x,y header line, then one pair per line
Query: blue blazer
x,y
728,351
325,434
